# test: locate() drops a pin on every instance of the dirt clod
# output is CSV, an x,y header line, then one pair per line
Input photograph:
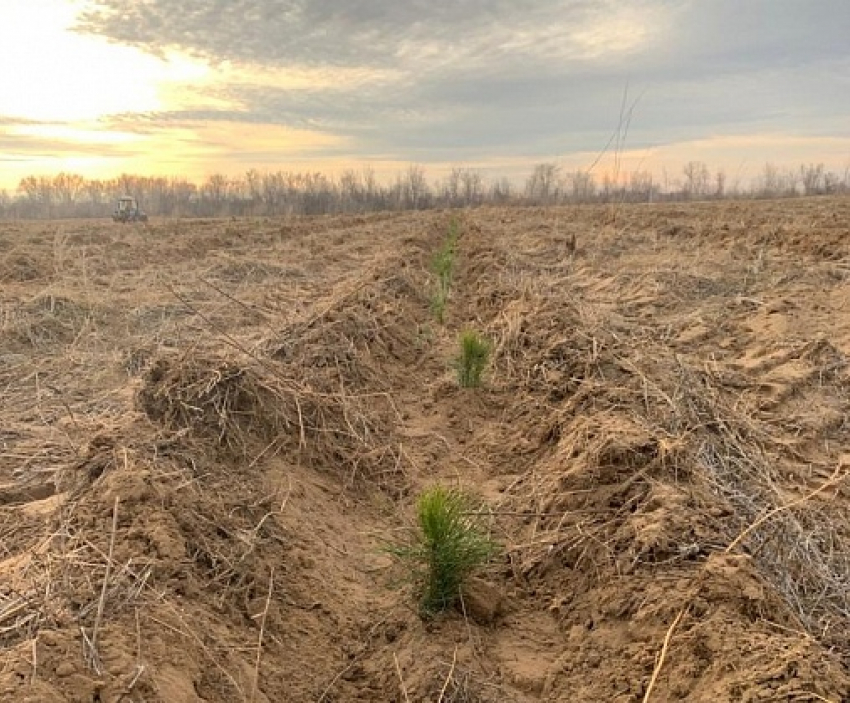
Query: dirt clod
x,y
483,602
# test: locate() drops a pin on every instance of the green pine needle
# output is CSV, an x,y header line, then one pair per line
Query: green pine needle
x,y
473,358
449,545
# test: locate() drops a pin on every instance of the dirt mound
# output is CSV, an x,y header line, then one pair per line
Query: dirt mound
x,y
140,532
635,464
21,266
361,336
215,399
49,320
252,272
367,334
168,531
254,410
542,348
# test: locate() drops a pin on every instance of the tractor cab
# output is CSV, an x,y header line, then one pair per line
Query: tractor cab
x,y
127,210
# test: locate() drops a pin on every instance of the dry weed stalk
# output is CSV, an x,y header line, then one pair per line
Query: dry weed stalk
x,y
659,662
400,679
449,677
102,601
256,683
835,479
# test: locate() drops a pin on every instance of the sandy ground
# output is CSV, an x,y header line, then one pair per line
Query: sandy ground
x,y
211,429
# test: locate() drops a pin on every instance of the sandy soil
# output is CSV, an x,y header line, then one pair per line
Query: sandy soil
x,y
211,429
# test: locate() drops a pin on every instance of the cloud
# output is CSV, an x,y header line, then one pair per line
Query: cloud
x,y
440,35
480,80
403,79
23,139
424,33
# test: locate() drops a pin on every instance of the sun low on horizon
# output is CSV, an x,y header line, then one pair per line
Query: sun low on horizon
x,y
80,103
64,99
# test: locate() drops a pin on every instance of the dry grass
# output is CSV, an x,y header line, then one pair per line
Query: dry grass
x,y
660,395
632,423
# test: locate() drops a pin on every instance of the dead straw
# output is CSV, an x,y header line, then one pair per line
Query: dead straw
x,y
263,615
836,478
448,677
102,602
400,679
659,662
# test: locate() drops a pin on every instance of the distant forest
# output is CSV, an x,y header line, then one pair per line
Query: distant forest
x,y
70,195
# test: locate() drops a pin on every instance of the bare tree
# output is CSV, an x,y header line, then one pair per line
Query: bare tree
x,y
95,191
451,188
812,178
641,186
372,196
696,180
831,183
542,185
127,183
350,191
415,189
501,191
157,197
580,185
182,193
272,193
39,196
720,184
68,187
472,187
215,194
254,188
773,183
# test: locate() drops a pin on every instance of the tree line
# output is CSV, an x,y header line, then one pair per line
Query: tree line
x,y
70,195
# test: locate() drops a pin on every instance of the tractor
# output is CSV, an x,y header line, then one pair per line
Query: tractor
x,y
127,210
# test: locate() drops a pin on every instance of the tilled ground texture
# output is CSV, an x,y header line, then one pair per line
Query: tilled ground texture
x,y
211,430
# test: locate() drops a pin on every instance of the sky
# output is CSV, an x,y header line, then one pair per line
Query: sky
x,y
196,87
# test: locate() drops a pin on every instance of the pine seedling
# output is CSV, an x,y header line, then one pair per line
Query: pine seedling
x,y
449,545
472,360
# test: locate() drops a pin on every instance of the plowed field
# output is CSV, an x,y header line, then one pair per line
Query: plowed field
x,y
210,431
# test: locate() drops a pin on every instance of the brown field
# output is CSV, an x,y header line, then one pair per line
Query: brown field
x,y
211,428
